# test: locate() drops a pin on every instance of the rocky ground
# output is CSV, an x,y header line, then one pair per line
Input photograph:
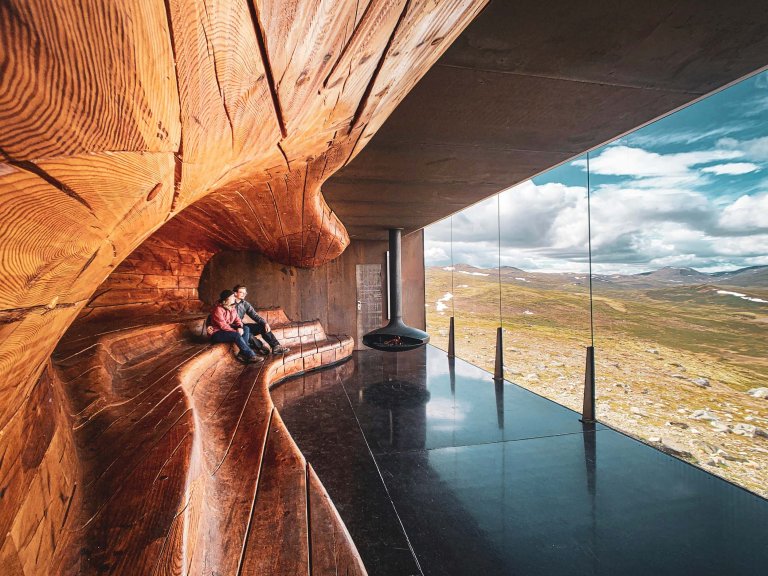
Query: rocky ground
x,y
680,402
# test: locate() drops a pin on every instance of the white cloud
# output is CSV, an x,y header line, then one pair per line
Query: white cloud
x,y
648,211
650,139
732,169
757,107
545,215
639,163
435,253
755,149
746,214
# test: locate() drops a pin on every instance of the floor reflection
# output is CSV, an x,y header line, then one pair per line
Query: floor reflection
x,y
463,407
438,470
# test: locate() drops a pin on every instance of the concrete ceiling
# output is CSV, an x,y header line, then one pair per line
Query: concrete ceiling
x,y
529,85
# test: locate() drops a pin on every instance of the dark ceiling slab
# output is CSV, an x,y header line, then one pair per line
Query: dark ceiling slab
x,y
497,110
687,46
529,85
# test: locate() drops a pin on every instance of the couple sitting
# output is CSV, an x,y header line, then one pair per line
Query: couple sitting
x,y
226,325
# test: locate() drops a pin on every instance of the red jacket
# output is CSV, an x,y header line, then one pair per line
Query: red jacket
x,y
225,319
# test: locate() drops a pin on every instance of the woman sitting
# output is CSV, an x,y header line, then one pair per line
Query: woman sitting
x,y
227,327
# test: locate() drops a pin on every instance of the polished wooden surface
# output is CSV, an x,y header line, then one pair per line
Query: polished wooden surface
x,y
40,481
182,99
220,120
116,117
184,466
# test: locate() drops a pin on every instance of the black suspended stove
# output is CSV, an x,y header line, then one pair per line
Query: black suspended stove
x,y
395,336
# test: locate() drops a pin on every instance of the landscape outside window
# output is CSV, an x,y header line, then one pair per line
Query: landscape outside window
x,y
679,237
476,287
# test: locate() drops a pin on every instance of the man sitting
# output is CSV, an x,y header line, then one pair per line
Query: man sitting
x,y
260,327
226,326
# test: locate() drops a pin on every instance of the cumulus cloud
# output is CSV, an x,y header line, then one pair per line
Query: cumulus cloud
x,y
651,207
546,215
436,253
638,162
746,214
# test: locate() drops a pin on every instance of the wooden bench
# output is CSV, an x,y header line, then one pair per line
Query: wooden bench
x,y
187,468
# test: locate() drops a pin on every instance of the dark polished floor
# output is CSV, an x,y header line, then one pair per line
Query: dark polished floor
x,y
436,470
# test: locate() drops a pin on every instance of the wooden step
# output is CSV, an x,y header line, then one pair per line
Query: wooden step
x,y
277,540
186,466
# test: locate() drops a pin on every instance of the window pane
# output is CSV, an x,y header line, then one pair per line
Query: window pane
x,y
545,283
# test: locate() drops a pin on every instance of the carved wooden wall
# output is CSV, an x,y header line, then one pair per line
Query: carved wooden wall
x,y
116,116
39,481
327,293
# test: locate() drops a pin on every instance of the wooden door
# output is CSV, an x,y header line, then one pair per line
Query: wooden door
x,y
369,300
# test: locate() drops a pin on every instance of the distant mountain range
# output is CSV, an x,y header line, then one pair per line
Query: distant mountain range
x,y
753,276
750,277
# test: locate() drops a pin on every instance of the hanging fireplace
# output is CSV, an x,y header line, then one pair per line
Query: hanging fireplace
x,y
395,336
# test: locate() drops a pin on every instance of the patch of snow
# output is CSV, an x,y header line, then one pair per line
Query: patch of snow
x,y
742,296
473,273
440,304
522,279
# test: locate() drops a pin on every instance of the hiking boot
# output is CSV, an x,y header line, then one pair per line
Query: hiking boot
x,y
255,359
280,349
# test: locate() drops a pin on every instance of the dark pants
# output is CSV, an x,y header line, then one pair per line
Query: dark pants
x,y
241,341
258,329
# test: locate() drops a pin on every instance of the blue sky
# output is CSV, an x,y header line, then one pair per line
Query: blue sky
x,y
690,190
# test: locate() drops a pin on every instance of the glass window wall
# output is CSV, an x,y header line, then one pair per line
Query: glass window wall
x,y
654,248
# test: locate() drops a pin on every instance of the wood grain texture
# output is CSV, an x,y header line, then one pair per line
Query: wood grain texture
x,y
425,30
83,77
183,465
116,117
204,126
39,482
277,540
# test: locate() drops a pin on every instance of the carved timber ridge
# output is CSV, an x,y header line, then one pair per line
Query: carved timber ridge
x,y
187,466
168,127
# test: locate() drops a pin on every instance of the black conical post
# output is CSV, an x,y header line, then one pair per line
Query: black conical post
x,y
451,340
498,372
588,409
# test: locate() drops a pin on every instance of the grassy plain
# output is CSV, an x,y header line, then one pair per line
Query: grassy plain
x,y
662,354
